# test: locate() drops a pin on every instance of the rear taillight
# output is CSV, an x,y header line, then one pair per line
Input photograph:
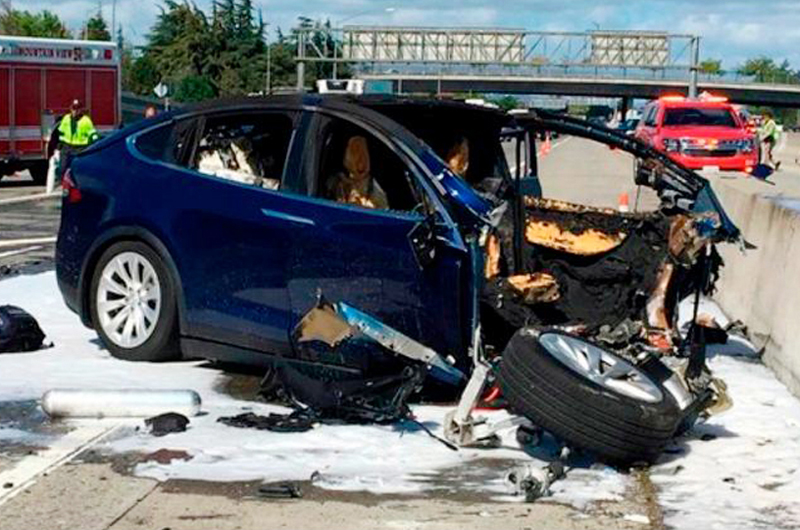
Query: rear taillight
x,y
70,191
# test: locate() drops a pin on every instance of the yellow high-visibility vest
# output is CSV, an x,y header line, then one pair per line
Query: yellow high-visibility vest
x,y
82,134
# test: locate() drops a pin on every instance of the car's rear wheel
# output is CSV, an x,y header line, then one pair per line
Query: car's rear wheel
x,y
588,396
133,304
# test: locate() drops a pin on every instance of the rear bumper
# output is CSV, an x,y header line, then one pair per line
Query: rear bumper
x,y
68,276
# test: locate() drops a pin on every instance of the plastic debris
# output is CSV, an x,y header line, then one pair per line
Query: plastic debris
x,y
167,423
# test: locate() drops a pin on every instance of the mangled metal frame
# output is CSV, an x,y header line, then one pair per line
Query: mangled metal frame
x,y
681,191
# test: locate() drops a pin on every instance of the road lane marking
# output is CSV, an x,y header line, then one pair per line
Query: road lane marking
x,y
10,253
28,241
32,197
30,468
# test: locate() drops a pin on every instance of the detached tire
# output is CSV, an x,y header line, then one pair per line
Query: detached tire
x,y
587,396
133,304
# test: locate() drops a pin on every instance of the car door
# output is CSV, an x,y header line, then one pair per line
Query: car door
x,y
230,246
368,257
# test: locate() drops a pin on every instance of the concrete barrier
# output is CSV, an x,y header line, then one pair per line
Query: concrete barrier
x,y
762,286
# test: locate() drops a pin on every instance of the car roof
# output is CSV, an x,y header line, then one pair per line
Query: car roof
x,y
376,109
344,102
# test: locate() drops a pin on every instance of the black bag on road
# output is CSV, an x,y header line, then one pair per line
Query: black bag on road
x,y
19,331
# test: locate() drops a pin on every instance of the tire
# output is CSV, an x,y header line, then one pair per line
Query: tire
x,y
155,338
38,172
617,427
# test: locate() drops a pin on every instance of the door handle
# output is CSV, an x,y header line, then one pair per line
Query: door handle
x,y
274,214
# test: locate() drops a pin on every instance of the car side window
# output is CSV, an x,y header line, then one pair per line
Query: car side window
x,y
248,148
355,167
169,143
650,117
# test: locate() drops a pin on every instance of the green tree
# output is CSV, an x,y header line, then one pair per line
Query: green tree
x,y
27,24
505,103
766,70
219,54
237,64
96,28
711,67
139,74
178,44
194,88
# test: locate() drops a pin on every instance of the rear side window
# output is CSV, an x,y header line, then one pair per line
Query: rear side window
x,y
169,143
715,117
248,148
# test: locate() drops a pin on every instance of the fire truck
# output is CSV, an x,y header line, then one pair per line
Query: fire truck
x,y
39,79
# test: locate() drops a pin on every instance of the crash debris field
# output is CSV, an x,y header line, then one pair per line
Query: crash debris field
x,y
737,470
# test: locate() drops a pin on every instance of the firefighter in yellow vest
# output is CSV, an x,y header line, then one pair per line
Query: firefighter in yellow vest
x,y
75,132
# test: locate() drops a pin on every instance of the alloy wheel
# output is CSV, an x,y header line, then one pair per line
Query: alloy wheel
x,y
128,299
601,367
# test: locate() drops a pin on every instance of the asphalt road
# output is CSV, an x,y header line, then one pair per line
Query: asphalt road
x,y
28,223
587,172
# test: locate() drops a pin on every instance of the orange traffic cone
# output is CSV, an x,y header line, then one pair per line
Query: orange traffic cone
x,y
547,145
623,202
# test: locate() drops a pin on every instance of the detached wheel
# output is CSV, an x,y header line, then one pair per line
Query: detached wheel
x,y
587,396
133,304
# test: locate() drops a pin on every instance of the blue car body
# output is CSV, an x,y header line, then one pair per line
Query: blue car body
x,y
249,262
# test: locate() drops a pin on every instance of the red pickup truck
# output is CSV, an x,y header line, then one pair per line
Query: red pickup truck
x,y
39,78
698,133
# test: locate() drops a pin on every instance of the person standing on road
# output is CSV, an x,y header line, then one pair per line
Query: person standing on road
x,y
769,137
75,132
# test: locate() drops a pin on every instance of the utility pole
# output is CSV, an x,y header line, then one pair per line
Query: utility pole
x,y
268,82
694,66
113,31
269,68
301,65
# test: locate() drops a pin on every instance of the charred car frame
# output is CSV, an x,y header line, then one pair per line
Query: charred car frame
x,y
213,232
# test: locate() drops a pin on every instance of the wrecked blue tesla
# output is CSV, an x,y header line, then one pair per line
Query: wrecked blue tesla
x,y
353,237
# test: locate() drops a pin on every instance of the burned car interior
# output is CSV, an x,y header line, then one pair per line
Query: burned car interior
x,y
250,149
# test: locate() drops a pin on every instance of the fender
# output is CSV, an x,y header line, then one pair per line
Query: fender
x,y
126,233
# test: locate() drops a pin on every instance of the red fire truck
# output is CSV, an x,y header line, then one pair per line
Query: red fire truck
x,y
39,78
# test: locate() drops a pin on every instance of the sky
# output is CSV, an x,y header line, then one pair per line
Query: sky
x,y
731,30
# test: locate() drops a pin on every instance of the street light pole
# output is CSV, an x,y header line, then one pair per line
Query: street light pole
x,y
268,84
339,25
694,67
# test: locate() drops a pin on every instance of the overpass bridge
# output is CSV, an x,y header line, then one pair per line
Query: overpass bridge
x,y
624,64
632,88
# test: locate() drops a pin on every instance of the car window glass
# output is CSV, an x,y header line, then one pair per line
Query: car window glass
x,y
247,148
354,167
650,117
167,143
694,116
